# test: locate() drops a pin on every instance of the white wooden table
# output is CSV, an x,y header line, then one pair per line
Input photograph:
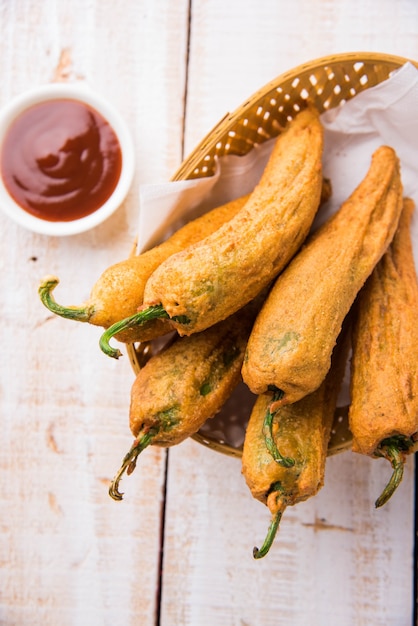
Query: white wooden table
x,y
178,550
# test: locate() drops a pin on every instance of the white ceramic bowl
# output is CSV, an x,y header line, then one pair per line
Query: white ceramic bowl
x,y
81,93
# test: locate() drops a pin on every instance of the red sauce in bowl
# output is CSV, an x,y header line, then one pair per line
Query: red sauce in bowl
x,y
60,160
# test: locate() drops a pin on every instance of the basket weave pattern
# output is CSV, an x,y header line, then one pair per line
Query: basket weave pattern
x,y
326,83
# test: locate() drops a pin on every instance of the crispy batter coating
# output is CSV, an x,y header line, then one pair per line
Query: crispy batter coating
x,y
384,377
119,291
211,280
293,337
188,382
302,432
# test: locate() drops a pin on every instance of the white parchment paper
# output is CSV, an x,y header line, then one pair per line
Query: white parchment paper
x,y
385,114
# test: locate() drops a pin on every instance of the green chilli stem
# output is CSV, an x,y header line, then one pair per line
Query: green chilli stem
x,y
47,286
258,553
269,437
137,319
129,462
393,449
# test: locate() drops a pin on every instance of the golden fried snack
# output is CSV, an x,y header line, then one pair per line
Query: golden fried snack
x,y
211,280
298,433
120,289
186,384
289,349
383,416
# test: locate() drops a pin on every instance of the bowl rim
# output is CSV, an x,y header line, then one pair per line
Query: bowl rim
x,y
83,93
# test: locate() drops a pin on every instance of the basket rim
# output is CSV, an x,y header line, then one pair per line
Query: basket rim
x,y
212,137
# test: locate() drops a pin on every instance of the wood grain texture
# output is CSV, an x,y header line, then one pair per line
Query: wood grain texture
x,y
335,557
333,561
70,555
230,59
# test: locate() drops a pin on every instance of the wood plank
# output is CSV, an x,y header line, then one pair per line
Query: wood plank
x,y
235,51
336,559
68,553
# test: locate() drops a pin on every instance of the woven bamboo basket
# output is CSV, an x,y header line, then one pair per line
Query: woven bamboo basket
x,y
327,83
